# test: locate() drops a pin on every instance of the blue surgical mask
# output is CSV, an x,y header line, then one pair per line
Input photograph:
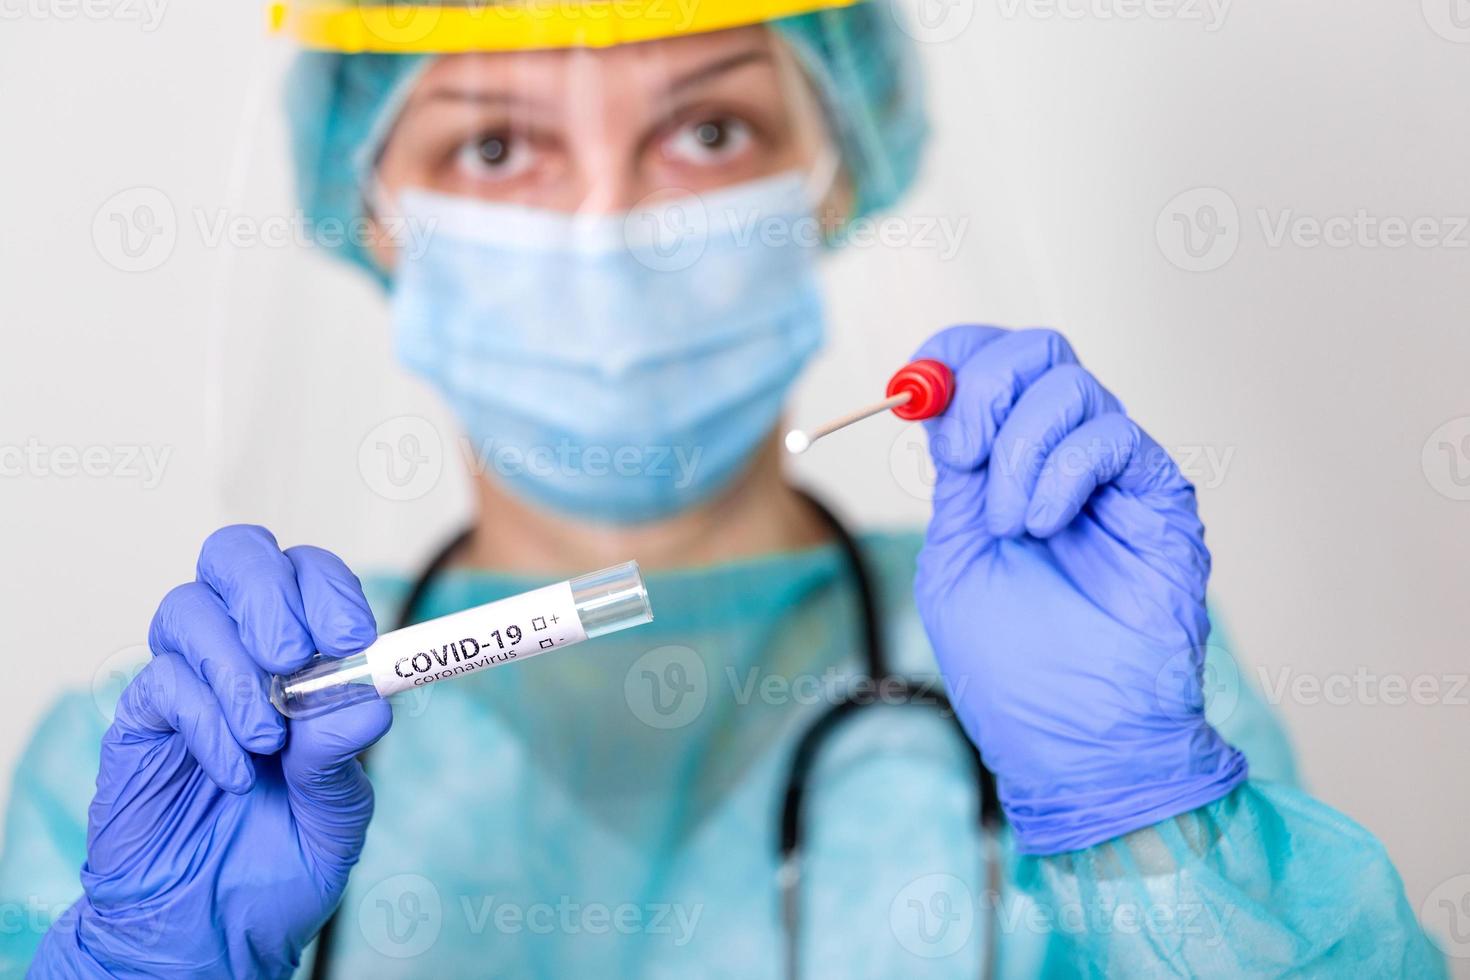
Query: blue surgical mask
x,y
615,368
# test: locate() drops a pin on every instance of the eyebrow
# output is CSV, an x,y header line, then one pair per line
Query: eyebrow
x,y
729,63
451,94
698,76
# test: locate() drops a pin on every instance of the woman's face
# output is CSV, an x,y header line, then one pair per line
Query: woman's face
x,y
599,131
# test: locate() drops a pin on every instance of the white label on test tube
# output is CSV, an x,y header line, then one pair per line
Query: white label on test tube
x,y
512,629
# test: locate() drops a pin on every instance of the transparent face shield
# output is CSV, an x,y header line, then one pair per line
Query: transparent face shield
x,y
528,250
599,278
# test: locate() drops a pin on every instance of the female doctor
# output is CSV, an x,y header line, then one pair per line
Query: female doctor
x,y
623,207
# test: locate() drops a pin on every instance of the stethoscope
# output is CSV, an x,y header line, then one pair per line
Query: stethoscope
x,y
878,685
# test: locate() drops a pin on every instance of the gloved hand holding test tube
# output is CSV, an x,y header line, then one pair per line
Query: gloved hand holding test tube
x,y
514,628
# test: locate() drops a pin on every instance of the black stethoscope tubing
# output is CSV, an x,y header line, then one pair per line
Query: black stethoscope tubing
x,y
878,685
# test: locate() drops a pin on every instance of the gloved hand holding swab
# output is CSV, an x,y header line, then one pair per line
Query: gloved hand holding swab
x,y
919,390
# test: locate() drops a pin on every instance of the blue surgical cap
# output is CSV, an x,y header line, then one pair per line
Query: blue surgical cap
x,y
863,67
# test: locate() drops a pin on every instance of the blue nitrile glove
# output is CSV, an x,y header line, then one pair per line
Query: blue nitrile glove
x,y
1062,583
221,836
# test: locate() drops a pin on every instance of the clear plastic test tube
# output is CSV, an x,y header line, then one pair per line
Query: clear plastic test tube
x,y
507,630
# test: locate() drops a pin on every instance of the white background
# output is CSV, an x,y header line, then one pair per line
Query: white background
x,y
1322,375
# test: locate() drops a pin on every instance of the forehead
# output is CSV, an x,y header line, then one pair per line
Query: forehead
x,y
664,60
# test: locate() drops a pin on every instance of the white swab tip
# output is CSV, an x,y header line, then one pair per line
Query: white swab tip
x,y
797,442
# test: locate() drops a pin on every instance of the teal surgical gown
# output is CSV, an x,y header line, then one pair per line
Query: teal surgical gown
x,y
612,810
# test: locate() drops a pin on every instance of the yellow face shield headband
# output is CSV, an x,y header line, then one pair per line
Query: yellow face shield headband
x,y
519,25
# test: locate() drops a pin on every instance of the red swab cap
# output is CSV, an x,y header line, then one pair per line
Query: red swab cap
x,y
929,384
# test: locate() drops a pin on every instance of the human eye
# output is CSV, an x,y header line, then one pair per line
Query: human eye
x,y
709,141
495,156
